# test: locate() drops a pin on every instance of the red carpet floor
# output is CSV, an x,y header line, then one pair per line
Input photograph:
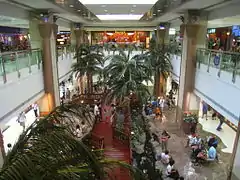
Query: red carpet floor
x,y
114,149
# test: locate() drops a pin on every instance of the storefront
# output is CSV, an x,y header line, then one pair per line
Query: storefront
x,y
13,129
63,38
121,38
13,39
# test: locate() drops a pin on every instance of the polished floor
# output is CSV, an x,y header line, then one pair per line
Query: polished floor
x,y
227,134
114,149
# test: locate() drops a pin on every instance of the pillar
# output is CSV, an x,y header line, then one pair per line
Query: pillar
x,y
35,37
235,160
162,34
195,29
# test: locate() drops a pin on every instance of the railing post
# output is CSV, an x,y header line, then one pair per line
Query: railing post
x,y
236,62
3,69
209,59
29,62
62,48
220,63
17,64
38,58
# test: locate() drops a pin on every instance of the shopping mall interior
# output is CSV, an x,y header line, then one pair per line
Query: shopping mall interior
x,y
120,90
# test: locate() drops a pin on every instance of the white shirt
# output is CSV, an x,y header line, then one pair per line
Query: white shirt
x,y
35,106
22,117
161,102
96,110
169,169
165,158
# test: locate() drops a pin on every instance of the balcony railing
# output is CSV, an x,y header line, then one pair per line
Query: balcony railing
x,y
11,62
65,50
220,60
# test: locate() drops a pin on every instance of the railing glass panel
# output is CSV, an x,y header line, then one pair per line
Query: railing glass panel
x,y
221,60
11,62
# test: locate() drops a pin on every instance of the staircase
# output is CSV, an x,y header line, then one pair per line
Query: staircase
x,y
114,149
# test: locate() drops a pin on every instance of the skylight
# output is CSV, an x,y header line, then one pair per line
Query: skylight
x,y
118,1
120,17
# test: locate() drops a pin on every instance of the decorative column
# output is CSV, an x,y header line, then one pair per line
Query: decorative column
x,y
48,32
195,29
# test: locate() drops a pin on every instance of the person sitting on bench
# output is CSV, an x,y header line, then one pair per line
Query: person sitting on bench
x,y
212,153
212,141
165,158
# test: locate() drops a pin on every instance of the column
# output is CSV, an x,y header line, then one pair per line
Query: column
x,y
235,160
43,31
162,34
195,29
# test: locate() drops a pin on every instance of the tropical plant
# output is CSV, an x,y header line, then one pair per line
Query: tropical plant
x,y
125,75
158,60
47,150
89,62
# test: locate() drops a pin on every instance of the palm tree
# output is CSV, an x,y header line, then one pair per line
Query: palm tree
x,y
157,58
47,150
88,63
125,75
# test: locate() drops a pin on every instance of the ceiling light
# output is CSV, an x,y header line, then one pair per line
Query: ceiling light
x,y
130,34
110,34
154,14
159,10
120,17
132,10
106,2
103,5
79,10
71,6
134,6
105,10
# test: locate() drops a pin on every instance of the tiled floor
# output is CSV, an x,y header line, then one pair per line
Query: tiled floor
x,y
227,134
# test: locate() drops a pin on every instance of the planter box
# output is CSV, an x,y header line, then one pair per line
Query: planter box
x,y
188,127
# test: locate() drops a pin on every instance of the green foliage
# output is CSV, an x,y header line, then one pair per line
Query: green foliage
x,y
190,118
47,150
89,60
125,74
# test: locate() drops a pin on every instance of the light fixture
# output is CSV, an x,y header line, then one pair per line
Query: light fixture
x,y
110,34
132,133
82,101
154,14
120,16
103,5
228,33
106,2
132,10
71,6
130,34
159,10
134,6
105,10
79,10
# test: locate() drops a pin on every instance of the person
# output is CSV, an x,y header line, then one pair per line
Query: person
x,y
165,158
212,141
164,139
170,171
170,94
22,119
35,109
161,103
68,94
212,153
155,137
221,121
78,131
204,109
214,115
96,112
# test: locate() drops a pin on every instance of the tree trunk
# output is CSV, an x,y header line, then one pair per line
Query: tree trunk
x,y
156,85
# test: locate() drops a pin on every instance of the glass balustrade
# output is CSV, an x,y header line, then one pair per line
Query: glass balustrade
x,y
221,60
11,62
64,50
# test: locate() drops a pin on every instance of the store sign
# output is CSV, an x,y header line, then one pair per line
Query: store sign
x,y
211,31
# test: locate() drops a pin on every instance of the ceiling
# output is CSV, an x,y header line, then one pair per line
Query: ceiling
x,y
13,22
119,9
224,22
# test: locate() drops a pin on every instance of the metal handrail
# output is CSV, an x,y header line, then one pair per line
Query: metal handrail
x,y
15,61
221,60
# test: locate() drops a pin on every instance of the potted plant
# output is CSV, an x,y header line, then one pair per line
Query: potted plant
x,y
190,121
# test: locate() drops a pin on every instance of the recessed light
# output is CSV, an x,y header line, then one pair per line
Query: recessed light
x,y
103,5
106,10
79,10
154,14
132,10
134,5
159,10
71,6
